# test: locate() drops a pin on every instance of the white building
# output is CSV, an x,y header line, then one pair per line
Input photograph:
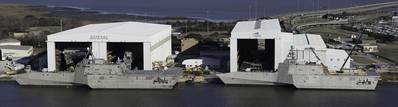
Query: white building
x,y
268,30
15,52
11,48
263,42
211,63
368,48
395,19
190,63
10,41
153,41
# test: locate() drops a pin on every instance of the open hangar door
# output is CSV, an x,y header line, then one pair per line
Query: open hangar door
x,y
68,54
256,55
117,50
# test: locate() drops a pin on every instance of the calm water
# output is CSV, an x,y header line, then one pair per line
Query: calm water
x,y
206,95
214,9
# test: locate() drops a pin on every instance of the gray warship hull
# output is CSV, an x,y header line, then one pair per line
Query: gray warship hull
x,y
49,79
249,78
335,82
304,77
302,81
132,80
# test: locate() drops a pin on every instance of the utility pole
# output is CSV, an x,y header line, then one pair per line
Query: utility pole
x,y
328,8
298,5
313,5
207,20
61,24
145,16
186,27
265,12
250,10
255,9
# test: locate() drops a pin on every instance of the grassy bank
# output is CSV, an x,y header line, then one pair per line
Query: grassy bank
x,y
19,11
389,50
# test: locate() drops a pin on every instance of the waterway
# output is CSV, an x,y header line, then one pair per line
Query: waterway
x,y
213,9
202,95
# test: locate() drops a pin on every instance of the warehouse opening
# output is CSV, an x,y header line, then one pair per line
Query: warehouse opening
x,y
68,54
256,55
117,50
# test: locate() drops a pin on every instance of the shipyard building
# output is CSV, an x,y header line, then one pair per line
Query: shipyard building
x,y
148,43
262,46
12,49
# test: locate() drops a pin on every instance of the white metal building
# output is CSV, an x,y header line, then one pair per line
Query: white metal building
x,y
263,29
11,48
155,40
277,46
190,63
395,19
212,63
10,41
15,52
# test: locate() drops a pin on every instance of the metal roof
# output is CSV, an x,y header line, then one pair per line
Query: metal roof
x,y
118,31
9,40
271,25
14,47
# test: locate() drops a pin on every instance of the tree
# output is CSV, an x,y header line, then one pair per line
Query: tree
x,y
29,21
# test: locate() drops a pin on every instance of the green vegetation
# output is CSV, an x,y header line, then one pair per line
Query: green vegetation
x,y
330,31
381,38
389,50
196,26
362,60
389,77
9,25
19,11
21,18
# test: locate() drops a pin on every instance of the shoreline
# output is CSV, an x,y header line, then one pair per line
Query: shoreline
x,y
360,8
367,7
102,12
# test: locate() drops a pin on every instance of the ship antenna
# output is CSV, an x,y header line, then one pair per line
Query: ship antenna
x,y
352,50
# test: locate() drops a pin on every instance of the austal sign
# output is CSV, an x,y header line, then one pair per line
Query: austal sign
x,y
98,37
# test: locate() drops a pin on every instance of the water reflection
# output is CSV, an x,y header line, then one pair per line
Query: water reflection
x,y
205,95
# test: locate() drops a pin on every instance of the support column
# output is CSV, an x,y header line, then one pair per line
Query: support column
x,y
147,56
233,55
51,62
99,50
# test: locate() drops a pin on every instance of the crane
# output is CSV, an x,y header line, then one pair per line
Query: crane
x,y
352,50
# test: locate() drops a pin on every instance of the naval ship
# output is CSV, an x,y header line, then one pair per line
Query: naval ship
x,y
306,76
301,60
101,74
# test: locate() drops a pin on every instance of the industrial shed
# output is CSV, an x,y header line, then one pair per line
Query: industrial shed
x,y
11,49
10,41
262,45
148,42
261,42
15,52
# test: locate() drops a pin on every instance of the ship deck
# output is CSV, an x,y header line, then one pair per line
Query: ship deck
x,y
169,72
